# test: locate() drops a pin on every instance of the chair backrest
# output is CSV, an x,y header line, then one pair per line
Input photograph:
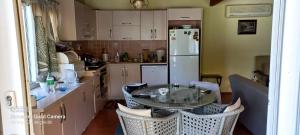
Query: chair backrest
x,y
130,103
209,121
209,86
137,125
128,97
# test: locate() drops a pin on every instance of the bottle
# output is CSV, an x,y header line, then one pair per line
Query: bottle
x,y
117,57
50,83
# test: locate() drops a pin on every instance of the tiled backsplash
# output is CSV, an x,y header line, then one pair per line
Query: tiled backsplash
x,y
133,48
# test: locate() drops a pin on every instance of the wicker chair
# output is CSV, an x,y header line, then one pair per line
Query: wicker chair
x,y
209,121
209,86
128,97
137,125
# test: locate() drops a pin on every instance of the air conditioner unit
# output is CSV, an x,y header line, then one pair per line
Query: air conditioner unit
x,y
249,10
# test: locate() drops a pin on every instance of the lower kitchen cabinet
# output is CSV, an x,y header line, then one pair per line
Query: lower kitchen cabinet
x,y
51,126
69,122
119,75
77,107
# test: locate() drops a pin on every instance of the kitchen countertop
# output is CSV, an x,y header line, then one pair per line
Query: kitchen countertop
x,y
53,99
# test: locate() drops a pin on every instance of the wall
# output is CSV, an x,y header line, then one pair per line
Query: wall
x,y
224,52
133,48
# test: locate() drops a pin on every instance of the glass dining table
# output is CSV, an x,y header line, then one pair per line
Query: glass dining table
x,y
177,97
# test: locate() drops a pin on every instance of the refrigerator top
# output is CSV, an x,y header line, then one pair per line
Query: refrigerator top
x,y
184,42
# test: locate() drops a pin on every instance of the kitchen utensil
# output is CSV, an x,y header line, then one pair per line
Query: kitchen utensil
x,y
161,54
69,76
146,55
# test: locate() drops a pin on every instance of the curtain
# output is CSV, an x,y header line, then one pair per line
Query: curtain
x,y
46,25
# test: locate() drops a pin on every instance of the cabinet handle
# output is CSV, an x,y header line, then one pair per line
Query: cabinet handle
x,y
185,17
151,33
126,23
110,33
61,113
65,112
126,72
155,34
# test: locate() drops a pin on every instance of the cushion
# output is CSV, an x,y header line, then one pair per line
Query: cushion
x,y
131,87
138,112
233,107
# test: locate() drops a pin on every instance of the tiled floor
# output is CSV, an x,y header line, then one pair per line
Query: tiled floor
x,y
106,122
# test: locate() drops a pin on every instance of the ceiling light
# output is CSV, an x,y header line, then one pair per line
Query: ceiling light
x,y
138,4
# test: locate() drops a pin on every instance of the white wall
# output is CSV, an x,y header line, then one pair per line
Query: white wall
x,y
224,51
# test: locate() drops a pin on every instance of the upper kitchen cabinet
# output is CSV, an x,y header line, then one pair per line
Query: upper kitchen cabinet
x,y
125,18
126,25
104,25
78,22
185,14
153,25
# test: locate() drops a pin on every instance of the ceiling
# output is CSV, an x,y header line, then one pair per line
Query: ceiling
x,y
154,4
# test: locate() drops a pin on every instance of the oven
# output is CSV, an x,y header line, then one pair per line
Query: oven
x,y
101,89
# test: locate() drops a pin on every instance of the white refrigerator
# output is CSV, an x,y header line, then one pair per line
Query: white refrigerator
x,y
184,56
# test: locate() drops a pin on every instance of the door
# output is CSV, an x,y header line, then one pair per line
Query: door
x,y
132,73
12,77
184,42
160,25
69,107
116,81
126,18
147,31
126,33
104,25
155,74
53,126
184,69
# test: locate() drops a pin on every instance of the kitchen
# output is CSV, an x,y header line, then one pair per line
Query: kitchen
x,y
117,47
102,50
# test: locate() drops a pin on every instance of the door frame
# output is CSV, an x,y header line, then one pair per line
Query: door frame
x,y
14,73
284,90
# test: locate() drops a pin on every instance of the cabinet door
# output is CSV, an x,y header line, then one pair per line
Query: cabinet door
x,y
104,25
126,18
147,32
185,14
126,33
67,30
160,25
90,100
53,126
81,121
132,73
116,81
85,22
69,106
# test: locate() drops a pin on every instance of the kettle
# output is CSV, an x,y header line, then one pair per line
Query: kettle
x,y
69,76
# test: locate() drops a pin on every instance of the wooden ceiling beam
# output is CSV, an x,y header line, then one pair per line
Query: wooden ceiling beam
x,y
214,2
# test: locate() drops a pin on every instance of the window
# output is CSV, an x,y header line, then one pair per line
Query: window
x,y
30,44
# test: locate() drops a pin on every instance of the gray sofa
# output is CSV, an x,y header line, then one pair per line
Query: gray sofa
x,y
254,97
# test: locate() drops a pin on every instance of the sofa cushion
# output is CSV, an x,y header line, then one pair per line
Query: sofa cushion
x,y
233,107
